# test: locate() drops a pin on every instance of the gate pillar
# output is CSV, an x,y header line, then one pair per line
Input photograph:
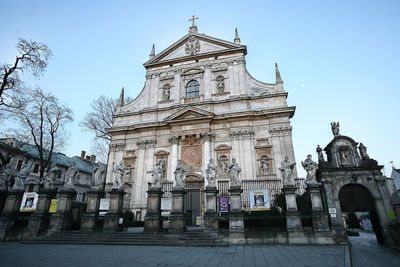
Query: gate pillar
x,y
152,220
211,214
177,218
236,220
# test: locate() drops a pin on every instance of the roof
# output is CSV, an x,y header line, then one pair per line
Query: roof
x,y
58,158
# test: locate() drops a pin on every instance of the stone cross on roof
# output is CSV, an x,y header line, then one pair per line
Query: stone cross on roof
x,y
193,19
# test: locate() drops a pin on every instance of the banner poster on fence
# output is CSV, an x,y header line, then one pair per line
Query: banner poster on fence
x,y
29,202
104,206
259,200
53,205
224,204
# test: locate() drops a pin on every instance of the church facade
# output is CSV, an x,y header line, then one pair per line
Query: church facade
x,y
199,103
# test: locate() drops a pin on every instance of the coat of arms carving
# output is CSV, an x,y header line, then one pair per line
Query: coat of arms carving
x,y
192,46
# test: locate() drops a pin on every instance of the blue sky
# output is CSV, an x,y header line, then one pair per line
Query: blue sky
x,y
345,53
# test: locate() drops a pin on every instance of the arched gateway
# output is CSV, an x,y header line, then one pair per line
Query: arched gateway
x,y
353,182
194,207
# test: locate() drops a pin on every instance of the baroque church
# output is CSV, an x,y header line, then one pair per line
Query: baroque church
x,y
198,103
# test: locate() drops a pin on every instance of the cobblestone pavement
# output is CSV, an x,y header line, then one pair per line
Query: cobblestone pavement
x,y
15,254
367,252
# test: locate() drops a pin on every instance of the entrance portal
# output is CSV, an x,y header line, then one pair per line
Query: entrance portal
x,y
194,198
356,198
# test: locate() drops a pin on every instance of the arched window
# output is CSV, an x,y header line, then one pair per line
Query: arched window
x,y
192,89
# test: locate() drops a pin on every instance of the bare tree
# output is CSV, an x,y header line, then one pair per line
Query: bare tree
x,y
41,120
33,57
100,119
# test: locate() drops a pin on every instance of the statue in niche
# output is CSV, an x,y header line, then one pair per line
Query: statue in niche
x,y
51,176
166,92
320,155
211,172
180,174
363,151
287,171
220,84
335,128
5,176
311,168
118,174
234,171
158,173
223,164
264,162
70,176
98,176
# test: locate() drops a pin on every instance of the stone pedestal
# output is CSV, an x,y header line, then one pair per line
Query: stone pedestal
x,y
293,219
152,220
115,210
88,221
3,197
319,215
10,211
211,214
177,218
61,220
39,220
236,222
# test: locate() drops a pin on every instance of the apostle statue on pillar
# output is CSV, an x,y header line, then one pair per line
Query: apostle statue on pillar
x,y
51,176
320,155
287,171
98,176
70,176
234,171
211,172
157,173
311,168
180,174
118,174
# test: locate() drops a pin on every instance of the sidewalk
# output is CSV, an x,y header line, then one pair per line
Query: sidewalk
x,y
15,254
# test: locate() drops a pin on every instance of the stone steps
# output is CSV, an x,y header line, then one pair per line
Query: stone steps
x,y
164,239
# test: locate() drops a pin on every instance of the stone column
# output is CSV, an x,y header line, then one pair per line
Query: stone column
x,y
39,220
211,214
61,220
10,211
293,219
206,149
152,220
319,215
3,197
174,140
89,218
236,222
177,218
111,219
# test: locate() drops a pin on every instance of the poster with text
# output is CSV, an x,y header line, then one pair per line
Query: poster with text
x,y
29,202
224,204
53,205
259,200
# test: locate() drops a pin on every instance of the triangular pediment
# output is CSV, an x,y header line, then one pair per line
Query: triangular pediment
x,y
194,45
189,113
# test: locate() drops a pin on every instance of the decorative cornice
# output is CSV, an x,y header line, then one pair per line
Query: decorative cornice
x,y
244,134
287,130
174,140
117,147
207,137
146,143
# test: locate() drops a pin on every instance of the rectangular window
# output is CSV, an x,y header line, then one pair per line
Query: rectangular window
x,y
36,168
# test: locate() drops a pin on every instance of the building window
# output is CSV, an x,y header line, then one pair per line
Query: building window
x,y
192,89
19,165
36,168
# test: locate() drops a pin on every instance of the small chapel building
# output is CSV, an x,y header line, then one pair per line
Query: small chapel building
x,y
198,103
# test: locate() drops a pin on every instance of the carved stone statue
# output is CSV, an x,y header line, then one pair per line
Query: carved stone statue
x,y
320,155
264,162
118,174
311,168
157,173
70,176
98,176
211,172
363,151
223,165
5,176
166,92
343,158
335,128
234,171
180,174
287,171
220,84
51,176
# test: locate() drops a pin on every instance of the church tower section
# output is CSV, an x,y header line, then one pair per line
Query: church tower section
x,y
199,103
